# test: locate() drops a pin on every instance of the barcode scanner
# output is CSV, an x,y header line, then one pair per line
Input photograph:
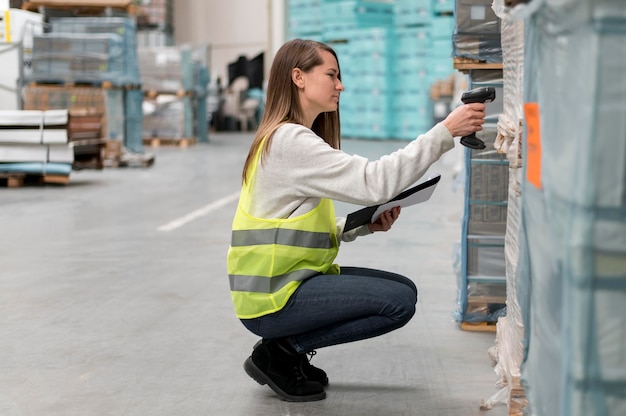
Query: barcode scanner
x,y
477,95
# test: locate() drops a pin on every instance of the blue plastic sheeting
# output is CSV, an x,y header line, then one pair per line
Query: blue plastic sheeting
x,y
133,120
37,168
572,270
202,121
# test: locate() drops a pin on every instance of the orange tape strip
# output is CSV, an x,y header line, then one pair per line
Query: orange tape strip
x,y
533,148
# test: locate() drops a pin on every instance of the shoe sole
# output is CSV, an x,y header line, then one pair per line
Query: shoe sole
x,y
260,377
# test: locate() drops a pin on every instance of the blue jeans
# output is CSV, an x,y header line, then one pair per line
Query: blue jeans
x,y
328,310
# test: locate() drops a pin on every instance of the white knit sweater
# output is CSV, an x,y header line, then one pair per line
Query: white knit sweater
x,y
301,168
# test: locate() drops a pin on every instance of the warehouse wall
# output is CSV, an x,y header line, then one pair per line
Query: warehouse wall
x,y
231,28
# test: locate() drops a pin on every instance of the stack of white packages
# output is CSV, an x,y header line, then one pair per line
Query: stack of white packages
x,y
35,142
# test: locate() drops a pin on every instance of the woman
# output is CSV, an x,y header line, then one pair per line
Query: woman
x,y
284,285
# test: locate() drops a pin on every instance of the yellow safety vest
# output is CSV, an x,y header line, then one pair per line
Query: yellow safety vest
x,y
269,258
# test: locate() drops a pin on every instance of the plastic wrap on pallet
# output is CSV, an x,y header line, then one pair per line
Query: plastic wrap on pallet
x,y
74,58
158,13
509,347
133,110
511,120
107,103
481,264
202,122
477,31
169,69
168,116
574,210
123,26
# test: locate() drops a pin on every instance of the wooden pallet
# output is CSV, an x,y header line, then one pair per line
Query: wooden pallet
x,y
478,326
164,141
106,85
83,7
467,64
179,93
20,179
12,180
517,398
129,161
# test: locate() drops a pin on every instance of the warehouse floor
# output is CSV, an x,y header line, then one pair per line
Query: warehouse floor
x,y
114,299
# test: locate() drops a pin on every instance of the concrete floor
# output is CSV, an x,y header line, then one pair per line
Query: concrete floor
x,y
114,300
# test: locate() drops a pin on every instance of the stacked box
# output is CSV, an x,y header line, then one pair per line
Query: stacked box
x,y
305,18
77,59
412,12
107,103
443,6
411,106
101,51
157,13
169,117
167,69
477,32
366,101
175,84
341,16
125,27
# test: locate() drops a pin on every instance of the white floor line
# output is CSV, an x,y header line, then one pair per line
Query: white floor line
x,y
200,212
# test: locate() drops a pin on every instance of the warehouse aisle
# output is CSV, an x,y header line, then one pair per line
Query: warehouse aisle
x,y
114,300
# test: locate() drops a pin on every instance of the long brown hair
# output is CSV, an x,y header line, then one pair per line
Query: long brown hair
x,y
282,103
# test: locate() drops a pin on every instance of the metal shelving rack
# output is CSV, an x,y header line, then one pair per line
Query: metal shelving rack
x,y
482,286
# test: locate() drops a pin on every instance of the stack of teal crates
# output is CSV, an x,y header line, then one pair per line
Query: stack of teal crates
x,y
366,102
389,52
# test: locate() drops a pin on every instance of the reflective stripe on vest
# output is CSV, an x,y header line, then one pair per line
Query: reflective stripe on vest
x,y
283,236
264,284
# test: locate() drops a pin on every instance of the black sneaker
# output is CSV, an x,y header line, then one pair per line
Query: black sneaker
x,y
311,372
281,369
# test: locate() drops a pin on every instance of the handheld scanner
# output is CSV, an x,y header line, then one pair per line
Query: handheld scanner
x,y
477,95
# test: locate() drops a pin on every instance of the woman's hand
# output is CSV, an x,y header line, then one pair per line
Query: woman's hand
x,y
465,119
385,221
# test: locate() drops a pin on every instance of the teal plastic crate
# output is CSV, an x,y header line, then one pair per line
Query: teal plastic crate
x,y
443,6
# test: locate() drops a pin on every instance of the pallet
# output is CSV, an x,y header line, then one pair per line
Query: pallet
x,y
467,64
478,326
517,398
163,141
82,7
130,161
178,93
95,163
105,85
18,179
12,180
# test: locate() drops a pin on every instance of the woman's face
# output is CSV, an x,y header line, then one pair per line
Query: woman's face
x,y
320,88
